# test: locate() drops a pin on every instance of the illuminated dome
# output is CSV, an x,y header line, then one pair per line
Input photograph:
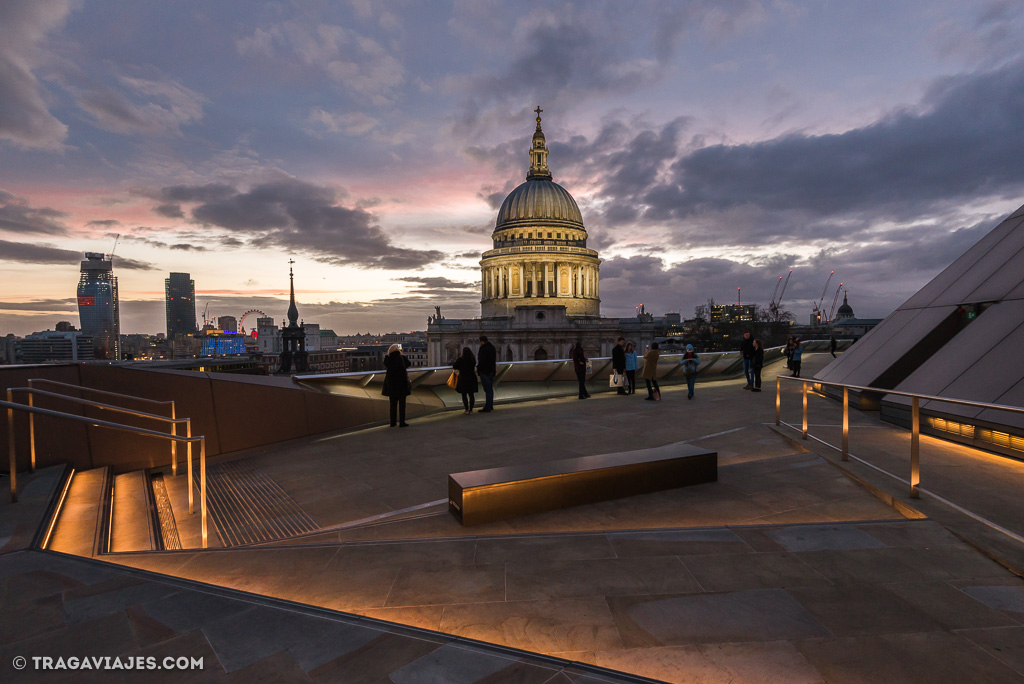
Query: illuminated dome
x,y
539,200
540,255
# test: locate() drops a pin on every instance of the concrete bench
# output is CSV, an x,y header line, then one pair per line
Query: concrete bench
x,y
481,496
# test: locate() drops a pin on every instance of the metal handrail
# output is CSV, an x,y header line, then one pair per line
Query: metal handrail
x,y
915,416
109,407
98,391
12,407
80,388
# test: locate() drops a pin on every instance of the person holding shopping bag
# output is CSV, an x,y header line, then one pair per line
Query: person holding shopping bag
x,y
631,366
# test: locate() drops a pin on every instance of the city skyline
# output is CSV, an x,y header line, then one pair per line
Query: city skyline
x,y
712,146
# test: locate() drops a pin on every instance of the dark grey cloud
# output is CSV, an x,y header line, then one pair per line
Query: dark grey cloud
x,y
963,141
25,118
104,223
16,216
186,247
30,253
439,285
40,305
25,253
294,215
169,210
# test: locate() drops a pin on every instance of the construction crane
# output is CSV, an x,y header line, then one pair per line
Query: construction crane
x,y
775,304
816,310
206,319
832,311
110,257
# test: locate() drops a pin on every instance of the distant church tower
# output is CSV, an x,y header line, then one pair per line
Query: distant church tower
x,y
293,336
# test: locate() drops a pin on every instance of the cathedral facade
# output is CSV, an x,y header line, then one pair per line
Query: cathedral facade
x,y
540,284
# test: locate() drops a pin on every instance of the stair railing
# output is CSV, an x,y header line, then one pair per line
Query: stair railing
x,y
35,410
31,391
80,388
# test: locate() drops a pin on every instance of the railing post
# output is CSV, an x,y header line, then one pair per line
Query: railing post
x,y
202,485
803,386
846,424
174,443
778,400
191,508
915,447
188,433
31,436
10,448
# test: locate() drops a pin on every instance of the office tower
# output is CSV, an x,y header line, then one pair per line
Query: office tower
x,y
180,305
98,306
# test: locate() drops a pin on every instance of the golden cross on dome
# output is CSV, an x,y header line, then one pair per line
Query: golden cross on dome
x,y
538,110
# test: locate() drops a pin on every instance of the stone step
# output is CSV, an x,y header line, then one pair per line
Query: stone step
x,y
81,514
131,522
189,528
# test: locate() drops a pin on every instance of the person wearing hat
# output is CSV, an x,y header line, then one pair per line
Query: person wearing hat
x,y
690,363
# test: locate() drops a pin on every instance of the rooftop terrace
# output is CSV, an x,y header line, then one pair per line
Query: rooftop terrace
x,y
793,567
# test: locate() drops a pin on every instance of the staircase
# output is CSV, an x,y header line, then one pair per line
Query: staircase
x,y
147,510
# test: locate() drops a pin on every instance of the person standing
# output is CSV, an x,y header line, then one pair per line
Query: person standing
x,y
790,344
487,367
396,384
466,385
619,361
690,363
798,354
747,352
631,366
579,364
757,364
833,345
650,372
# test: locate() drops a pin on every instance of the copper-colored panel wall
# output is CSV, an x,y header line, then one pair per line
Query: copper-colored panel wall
x,y
232,412
57,441
193,399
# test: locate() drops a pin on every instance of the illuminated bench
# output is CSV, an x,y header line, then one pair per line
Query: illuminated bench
x,y
481,496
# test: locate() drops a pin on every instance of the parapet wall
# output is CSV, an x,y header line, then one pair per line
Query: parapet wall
x,y
233,412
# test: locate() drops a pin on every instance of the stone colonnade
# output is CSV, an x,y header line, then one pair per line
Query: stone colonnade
x,y
521,279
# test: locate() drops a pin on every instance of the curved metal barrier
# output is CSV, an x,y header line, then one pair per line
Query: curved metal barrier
x,y
525,380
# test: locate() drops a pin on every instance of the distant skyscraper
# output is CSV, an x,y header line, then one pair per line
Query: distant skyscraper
x,y
227,323
180,304
98,307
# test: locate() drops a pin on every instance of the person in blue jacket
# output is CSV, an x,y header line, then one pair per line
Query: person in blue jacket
x,y
690,363
798,353
631,365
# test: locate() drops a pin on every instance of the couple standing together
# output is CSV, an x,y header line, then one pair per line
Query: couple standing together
x,y
468,367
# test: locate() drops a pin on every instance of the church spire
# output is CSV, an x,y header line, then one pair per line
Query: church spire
x,y
539,154
293,311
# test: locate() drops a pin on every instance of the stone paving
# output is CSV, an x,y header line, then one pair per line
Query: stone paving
x,y
785,570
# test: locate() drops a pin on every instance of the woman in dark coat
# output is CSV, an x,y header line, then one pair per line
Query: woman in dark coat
x,y
396,384
579,364
758,364
466,365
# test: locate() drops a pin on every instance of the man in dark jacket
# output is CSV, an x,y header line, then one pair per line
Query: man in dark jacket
x,y
747,352
619,361
486,367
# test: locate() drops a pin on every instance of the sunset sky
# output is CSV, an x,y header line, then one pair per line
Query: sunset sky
x,y
710,145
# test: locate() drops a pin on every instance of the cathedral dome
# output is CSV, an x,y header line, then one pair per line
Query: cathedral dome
x,y
539,201
845,310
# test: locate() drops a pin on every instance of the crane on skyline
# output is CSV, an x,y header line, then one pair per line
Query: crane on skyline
x,y
832,311
775,304
816,311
